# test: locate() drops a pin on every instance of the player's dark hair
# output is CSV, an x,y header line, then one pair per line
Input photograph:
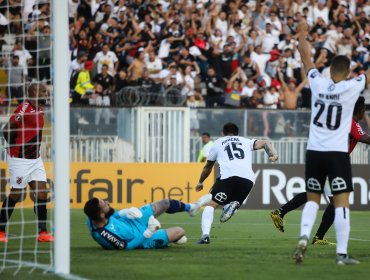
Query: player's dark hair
x,y
360,105
340,65
230,128
92,209
206,134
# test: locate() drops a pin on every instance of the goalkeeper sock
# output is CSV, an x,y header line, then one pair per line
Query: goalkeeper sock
x,y
326,222
294,203
6,212
41,212
177,206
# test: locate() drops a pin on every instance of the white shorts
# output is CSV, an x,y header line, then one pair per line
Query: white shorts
x,y
22,171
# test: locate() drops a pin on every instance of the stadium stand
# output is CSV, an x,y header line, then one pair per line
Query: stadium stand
x,y
147,45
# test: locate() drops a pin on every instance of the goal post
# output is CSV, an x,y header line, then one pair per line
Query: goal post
x,y
61,133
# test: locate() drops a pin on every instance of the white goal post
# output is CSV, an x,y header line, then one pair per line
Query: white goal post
x,y
61,132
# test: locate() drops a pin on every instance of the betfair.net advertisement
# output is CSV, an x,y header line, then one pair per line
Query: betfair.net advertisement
x,y
125,185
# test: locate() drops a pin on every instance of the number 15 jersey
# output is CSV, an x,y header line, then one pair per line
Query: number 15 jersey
x,y
234,155
331,111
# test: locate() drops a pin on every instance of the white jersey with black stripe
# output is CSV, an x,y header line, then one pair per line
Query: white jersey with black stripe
x,y
234,155
331,111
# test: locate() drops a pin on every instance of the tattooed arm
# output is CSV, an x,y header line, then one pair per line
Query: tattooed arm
x,y
207,169
265,144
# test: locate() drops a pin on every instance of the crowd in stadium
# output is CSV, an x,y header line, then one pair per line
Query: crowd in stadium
x,y
215,53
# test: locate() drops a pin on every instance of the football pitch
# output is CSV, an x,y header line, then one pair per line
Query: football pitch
x,y
246,247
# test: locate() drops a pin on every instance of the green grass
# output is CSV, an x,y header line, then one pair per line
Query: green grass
x,y
246,247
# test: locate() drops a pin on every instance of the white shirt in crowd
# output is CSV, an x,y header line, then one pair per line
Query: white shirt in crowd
x,y
154,65
110,59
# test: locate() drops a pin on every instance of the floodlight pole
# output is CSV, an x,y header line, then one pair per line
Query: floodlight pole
x,y
60,47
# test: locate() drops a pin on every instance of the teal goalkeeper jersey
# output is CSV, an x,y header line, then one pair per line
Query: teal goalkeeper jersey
x,y
119,233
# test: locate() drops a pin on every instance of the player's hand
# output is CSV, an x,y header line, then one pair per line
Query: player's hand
x,y
302,27
274,158
134,213
199,187
131,213
153,226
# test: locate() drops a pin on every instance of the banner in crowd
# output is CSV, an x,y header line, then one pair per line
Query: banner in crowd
x,y
135,184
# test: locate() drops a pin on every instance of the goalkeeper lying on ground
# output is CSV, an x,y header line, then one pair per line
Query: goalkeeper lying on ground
x,y
135,228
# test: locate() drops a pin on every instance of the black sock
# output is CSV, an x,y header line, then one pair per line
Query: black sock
x,y
326,222
294,203
41,212
6,212
175,206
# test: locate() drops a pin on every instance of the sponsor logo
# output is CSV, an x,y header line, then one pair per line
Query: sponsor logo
x,y
18,117
113,240
359,78
331,88
221,196
313,184
19,180
338,184
314,74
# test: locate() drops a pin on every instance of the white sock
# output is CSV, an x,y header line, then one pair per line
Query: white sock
x,y
207,219
342,228
308,218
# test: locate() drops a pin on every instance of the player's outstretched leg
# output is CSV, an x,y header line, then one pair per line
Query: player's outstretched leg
x,y
195,207
278,215
229,210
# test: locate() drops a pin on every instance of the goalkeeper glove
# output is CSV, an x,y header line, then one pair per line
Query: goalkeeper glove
x,y
131,213
153,226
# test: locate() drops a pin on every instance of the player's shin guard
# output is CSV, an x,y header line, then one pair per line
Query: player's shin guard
x,y
308,218
41,212
6,212
207,219
326,222
177,206
342,228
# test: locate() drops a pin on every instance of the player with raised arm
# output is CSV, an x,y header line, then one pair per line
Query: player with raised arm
x,y
23,133
234,156
356,135
135,228
327,155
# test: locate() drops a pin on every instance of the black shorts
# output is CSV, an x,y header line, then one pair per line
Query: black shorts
x,y
231,189
333,165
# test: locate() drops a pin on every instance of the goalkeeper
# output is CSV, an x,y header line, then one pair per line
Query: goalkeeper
x,y
135,228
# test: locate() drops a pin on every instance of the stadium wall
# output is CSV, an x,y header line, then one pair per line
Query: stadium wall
x,y
134,184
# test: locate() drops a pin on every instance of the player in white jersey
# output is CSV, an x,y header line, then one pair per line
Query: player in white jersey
x,y
234,156
327,155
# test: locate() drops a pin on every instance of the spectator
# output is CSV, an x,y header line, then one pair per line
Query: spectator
x,y
135,70
154,65
83,87
215,91
107,83
15,79
105,56
234,88
289,93
189,85
271,98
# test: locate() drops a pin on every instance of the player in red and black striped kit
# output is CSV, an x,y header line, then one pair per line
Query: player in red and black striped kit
x,y
23,134
356,135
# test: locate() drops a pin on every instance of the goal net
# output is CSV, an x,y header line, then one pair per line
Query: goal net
x,y
28,122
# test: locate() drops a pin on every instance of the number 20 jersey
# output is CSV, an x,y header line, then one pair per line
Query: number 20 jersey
x,y
331,111
234,155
